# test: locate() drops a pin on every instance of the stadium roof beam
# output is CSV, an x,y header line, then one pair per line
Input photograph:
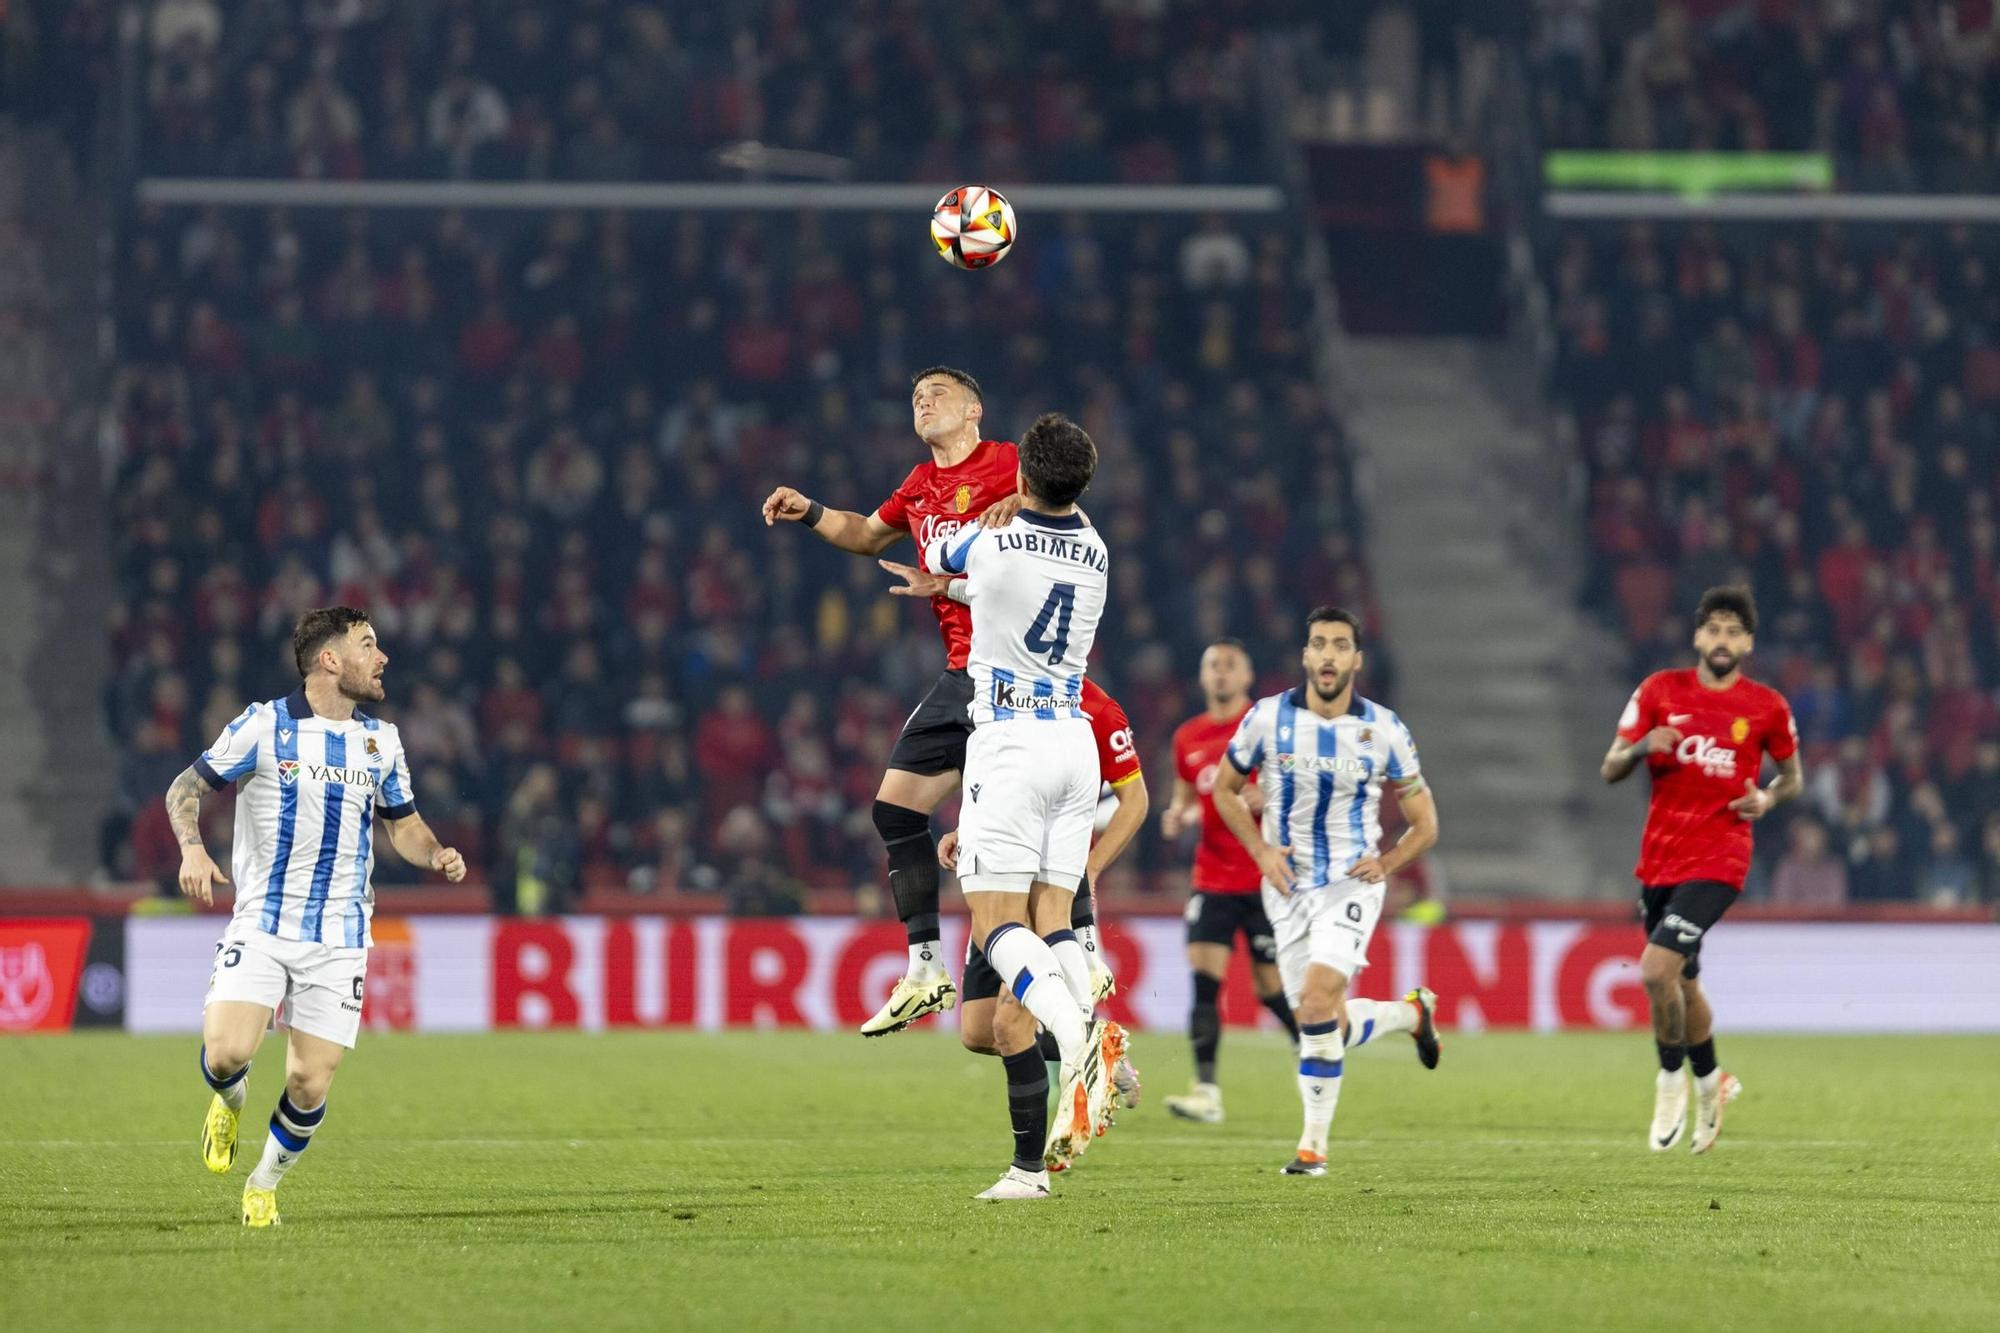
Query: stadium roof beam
x,y
1665,207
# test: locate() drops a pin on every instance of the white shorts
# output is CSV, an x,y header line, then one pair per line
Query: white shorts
x,y
314,988
1330,926
1030,805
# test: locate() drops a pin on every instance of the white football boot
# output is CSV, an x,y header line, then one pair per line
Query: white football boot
x,y
1019,1184
1670,1108
1203,1104
1708,1108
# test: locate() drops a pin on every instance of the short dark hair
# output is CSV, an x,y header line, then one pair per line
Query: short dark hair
x,y
317,628
1320,615
1227,641
1057,459
950,373
1731,601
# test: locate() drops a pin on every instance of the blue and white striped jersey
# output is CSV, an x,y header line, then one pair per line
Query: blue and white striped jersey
x,y
304,846
1322,778
1036,588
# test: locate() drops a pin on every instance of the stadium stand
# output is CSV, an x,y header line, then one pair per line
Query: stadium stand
x,y
1810,410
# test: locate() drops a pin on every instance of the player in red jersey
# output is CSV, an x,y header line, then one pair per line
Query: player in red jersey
x,y
1227,896
1703,734
1118,765
965,477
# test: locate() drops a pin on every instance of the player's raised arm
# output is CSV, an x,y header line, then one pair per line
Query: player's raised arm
x,y
860,534
199,873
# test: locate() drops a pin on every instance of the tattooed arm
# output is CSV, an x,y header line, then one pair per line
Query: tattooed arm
x,y
198,870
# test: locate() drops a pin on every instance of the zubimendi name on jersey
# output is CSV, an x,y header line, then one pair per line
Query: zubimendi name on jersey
x,y
1055,544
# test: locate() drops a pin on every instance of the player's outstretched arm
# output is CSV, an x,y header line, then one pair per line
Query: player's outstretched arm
x,y
415,843
1624,756
1123,826
860,534
1420,808
199,873
1274,862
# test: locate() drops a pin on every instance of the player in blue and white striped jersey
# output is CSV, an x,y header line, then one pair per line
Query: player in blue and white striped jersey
x,y
314,772
1322,755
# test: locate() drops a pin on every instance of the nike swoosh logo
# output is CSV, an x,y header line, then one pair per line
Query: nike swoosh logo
x,y
1666,1140
1675,719
1688,937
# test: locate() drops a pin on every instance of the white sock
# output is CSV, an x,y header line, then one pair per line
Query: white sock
x,y
1075,965
1709,1082
1368,1019
1029,968
234,1090
1087,937
926,961
1320,1050
291,1133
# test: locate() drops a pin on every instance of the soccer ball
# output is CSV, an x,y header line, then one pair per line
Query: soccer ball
x,y
973,227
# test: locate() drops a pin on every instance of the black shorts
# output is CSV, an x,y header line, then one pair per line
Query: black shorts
x,y
980,981
1214,918
1679,917
933,740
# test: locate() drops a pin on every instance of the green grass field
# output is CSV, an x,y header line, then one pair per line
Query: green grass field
x,y
669,1181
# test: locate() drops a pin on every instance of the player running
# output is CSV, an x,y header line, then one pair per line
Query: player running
x,y
965,476
315,771
1703,734
1322,753
979,988
1036,587
1225,898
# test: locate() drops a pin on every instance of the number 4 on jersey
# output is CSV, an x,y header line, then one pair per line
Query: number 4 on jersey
x,y
1057,610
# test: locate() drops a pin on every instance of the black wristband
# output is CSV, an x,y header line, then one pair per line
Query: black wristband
x,y
815,511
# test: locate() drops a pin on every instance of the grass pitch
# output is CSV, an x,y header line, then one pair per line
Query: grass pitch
x,y
783,1180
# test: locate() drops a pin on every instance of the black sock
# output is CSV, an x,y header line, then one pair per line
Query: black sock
x,y
1671,1056
1205,1026
1046,1044
1281,1009
1701,1057
1028,1106
1082,911
913,868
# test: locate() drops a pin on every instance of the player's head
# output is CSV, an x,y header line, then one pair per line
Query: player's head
x,y
1333,651
1725,629
1226,671
1057,462
945,403
338,642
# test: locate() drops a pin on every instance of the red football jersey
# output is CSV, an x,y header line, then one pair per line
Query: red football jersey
x,y
1117,756
937,501
1221,862
1691,833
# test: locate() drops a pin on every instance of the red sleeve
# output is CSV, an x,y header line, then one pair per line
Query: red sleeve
x,y
1781,737
1640,712
1117,756
895,510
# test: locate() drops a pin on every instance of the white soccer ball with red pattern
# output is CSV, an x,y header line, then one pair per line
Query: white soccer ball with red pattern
x,y
973,227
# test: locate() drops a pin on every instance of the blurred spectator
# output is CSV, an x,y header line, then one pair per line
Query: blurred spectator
x,y
1809,875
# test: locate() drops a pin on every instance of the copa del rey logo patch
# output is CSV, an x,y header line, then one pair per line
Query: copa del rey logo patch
x,y
288,771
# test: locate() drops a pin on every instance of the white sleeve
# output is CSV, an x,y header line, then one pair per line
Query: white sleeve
x,y
1246,747
234,754
1403,763
952,555
398,799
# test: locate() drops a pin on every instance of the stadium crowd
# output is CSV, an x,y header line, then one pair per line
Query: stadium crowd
x,y
613,90
1904,95
534,449
1812,411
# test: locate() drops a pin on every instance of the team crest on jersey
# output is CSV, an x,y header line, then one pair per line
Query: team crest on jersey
x,y
370,746
963,500
288,771
1739,730
1368,735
